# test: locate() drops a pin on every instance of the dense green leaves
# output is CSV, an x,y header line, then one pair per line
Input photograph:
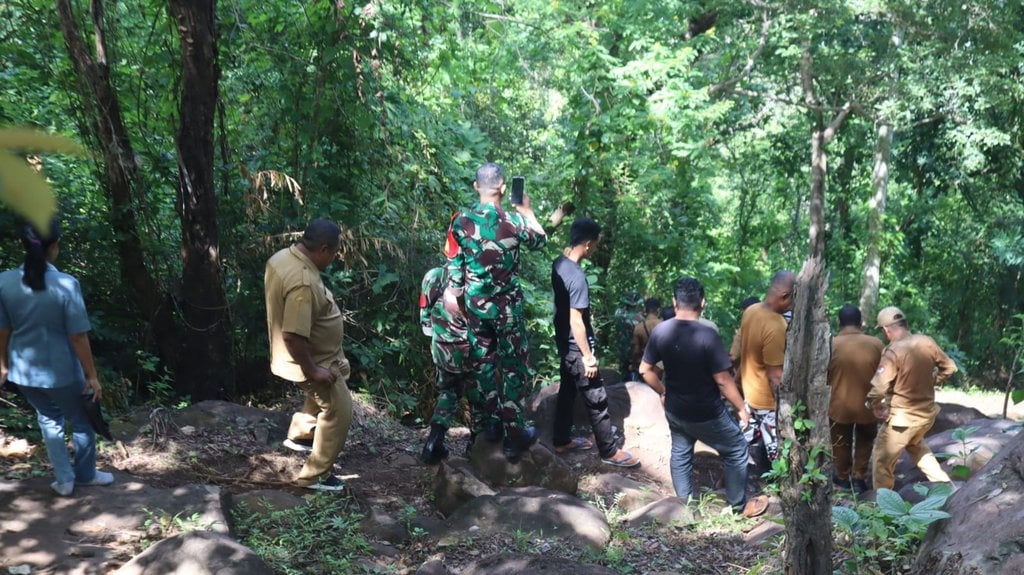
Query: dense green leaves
x,y
679,125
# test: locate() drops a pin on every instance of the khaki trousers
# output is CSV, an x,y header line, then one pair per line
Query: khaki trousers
x,y
851,449
891,441
328,409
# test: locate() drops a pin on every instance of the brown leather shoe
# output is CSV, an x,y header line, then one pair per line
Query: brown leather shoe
x,y
756,506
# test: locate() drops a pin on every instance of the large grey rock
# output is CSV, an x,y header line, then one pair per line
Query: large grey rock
x,y
614,489
263,502
522,564
382,527
263,425
539,466
456,484
197,553
32,520
986,442
669,511
953,415
532,509
984,534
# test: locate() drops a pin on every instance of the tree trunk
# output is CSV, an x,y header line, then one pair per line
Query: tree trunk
x,y
880,193
120,180
206,370
803,399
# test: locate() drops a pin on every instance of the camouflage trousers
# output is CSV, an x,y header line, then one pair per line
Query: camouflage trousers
x,y
503,375
454,380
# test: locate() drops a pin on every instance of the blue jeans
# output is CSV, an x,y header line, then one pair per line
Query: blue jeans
x,y
724,435
53,407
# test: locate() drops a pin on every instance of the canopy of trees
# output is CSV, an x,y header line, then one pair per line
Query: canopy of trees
x,y
216,130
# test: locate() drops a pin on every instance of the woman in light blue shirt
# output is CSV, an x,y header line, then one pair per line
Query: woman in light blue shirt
x,y
44,349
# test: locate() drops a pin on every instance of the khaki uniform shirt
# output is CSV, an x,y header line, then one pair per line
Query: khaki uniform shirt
x,y
855,357
762,344
908,373
299,303
641,334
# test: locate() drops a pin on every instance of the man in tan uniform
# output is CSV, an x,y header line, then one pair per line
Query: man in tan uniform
x,y
855,356
642,331
903,396
762,351
305,329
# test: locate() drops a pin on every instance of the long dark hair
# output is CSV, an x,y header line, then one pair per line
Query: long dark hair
x,y
36,246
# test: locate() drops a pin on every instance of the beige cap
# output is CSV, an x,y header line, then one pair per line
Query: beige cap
x,y
889,316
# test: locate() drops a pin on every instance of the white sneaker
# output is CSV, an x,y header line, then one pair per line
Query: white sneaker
x,y
300,445
101,478
63,489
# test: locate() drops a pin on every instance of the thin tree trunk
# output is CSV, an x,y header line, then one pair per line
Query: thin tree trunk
x,y
207,370
120,180
879,195
806,497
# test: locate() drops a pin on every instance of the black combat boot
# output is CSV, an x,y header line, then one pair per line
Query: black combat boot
x,y
518,442
434,449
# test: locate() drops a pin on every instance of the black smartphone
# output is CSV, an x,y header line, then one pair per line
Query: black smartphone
x,y
518,188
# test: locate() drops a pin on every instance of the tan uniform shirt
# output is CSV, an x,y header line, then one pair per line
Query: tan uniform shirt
x,y
641,334
762,344
908,374
299,303
855,357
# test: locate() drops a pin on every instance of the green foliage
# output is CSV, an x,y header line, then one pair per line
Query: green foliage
x,y
961,471
882,536
320,536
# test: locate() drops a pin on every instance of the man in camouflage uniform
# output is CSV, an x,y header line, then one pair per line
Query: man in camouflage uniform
x,y
451,349
627,315
484,285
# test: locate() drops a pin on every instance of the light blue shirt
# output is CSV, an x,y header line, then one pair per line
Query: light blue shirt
x,y
40,353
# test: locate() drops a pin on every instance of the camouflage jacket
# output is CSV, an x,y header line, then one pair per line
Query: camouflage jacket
x,y
435,322
626,319
489,239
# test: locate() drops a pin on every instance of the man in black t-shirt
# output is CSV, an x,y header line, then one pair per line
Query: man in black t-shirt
x,y
696,376
574,337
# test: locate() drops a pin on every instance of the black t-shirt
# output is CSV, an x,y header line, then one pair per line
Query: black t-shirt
x,y
692,353
571,291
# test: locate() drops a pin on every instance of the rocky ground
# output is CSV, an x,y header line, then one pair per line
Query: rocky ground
x,y
183,470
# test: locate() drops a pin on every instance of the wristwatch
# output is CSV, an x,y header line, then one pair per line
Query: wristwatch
x,y
590,362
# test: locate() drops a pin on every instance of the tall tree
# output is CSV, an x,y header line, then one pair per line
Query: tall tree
x,y
120,179
876,211
804,397
205,370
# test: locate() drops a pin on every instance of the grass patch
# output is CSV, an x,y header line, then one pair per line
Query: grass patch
x,y
320,536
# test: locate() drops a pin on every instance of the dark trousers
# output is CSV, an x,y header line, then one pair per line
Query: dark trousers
x,y
851,449
595,399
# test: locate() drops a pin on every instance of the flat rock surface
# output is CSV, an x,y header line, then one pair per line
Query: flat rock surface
x,y
97,527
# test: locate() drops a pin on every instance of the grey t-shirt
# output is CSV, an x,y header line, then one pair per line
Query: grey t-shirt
x,y
571,291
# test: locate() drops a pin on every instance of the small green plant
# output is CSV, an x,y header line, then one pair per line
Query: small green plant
x,y
961,471
321,536
876,537
160,524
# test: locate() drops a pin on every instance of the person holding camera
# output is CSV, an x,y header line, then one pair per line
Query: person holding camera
x,y
484,287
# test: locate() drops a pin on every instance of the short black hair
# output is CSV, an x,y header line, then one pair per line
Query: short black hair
x,y
652,305
489,176
583,230
689,293
849,315
667,312
747,302
321,232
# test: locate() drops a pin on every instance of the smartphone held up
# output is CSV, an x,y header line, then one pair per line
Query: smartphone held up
x,y
518,189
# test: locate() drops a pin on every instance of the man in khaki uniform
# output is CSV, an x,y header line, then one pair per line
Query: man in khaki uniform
x,y
642,331
305,328
762,351
903,396
855,356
